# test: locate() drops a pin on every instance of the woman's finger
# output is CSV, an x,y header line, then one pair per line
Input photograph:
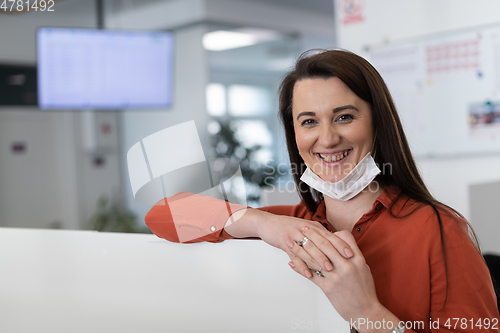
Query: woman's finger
x,y
348,238
317,255
331,246
302,254
340,244
299,265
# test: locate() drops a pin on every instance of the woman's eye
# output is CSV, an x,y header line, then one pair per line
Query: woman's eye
x,y
345,118
307,122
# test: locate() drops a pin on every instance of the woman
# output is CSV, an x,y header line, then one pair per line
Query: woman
x,y
376,242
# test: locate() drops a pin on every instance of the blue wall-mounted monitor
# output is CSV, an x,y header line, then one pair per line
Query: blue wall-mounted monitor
x,y
104,69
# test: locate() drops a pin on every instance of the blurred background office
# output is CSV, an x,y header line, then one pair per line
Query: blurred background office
x,y
440,59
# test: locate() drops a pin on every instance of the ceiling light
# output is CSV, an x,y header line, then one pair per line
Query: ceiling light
x,y
225,40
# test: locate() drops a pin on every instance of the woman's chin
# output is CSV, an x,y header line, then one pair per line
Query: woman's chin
x,y
330,175
331,178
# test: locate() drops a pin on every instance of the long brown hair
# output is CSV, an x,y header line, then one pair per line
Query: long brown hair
x,y
390,144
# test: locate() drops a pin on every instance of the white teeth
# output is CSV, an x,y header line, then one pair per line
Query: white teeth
x,y
334,158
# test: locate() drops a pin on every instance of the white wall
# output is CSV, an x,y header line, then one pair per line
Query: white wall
x,y
455,181
18,31
55,183
386,21
29,193
448,176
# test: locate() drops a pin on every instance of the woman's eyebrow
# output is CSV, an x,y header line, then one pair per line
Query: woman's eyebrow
x,y
337,109
306,113
345,107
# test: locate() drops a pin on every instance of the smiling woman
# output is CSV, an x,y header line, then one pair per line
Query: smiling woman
x,y
383,252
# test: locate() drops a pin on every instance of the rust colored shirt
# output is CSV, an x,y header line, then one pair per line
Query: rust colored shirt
x,y
404,253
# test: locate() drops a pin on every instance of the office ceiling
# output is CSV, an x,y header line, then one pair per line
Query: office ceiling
x,y
270,57
265,57
316,6
323,7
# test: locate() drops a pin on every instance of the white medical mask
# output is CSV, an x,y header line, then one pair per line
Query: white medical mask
x,y
350,186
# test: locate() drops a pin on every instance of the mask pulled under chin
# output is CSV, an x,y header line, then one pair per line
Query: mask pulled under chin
x,y
350,186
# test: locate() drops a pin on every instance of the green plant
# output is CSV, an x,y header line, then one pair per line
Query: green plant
x,y
114,218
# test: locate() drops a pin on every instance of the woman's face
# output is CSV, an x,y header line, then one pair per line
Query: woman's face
x,y
333,127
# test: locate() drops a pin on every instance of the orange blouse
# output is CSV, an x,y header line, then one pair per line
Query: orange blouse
x,y
402,249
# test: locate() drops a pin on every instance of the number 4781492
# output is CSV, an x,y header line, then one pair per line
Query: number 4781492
x,y
27,5
464,323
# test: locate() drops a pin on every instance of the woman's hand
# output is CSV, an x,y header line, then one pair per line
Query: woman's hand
x,y
349,285
280,231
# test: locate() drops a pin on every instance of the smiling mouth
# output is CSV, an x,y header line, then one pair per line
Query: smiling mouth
x,y
334,157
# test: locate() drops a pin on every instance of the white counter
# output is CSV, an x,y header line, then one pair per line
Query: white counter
x,y
83,281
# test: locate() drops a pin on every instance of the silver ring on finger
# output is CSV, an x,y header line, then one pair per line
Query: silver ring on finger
x,y
318,273
303,241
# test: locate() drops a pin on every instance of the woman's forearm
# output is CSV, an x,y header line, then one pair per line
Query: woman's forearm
x,y
243,223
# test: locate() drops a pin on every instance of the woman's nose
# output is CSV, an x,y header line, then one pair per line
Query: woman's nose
x,y
328,137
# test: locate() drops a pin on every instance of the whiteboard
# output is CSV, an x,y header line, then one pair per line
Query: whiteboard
x,y
436,82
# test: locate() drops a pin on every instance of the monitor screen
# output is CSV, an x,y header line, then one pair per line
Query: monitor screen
x,y
104,69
